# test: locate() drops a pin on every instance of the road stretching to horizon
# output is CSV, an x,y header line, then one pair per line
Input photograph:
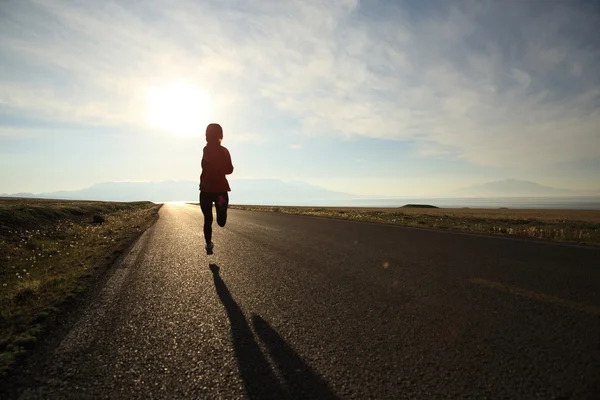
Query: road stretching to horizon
x,y
302,307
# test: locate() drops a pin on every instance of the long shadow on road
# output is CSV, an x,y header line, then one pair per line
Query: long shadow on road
x,y
259,379
302,381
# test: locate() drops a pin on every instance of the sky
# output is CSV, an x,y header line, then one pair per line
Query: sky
x,y
374,97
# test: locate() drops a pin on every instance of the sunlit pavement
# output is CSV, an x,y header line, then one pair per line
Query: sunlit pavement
x,y
301,307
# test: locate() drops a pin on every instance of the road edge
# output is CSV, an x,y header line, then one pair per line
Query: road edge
x,y
59,325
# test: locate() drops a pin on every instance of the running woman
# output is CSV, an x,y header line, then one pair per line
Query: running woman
x,y
216,163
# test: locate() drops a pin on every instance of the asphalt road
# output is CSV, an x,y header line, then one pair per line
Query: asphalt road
x,y
302,307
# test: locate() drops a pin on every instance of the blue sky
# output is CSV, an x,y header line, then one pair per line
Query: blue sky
x,y
402,98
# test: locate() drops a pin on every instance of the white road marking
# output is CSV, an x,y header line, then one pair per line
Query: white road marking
x,y
586,308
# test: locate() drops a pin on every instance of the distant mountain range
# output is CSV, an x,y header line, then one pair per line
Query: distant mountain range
x,y
244,191
518,188
295,193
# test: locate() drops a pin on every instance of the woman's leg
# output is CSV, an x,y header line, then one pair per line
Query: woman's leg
x,y
221,204
206,200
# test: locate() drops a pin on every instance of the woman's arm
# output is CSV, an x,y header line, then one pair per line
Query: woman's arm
x,y
227,165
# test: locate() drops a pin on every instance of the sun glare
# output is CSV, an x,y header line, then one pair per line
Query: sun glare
x,y
178,108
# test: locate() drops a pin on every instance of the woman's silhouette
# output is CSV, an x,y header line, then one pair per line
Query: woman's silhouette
x,y
216,163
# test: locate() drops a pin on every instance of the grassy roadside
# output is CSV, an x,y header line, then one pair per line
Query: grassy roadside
x,y
49,251
572,226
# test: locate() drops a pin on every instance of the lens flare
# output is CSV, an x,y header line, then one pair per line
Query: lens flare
x,y
386,264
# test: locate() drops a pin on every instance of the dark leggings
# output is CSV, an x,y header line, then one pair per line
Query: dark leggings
x,y
206,201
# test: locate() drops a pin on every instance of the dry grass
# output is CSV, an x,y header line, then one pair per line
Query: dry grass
x,y
574,226
47,249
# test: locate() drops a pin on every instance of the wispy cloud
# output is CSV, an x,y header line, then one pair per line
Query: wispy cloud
x,y
492,83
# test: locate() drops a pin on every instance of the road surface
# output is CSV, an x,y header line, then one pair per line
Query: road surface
x,y
303,307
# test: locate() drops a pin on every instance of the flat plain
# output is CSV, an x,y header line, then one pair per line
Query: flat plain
x,y
570,226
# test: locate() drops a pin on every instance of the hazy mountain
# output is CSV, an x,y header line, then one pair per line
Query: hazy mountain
x,y
244,191
275,191
22,195
517,188
278,192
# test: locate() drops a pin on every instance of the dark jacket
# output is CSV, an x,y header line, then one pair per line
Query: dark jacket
x,y
216,163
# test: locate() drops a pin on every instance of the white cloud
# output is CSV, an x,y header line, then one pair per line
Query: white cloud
x,y
22,133
242,137
454,80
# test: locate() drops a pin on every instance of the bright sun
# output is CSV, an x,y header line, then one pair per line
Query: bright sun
x,y
178,108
